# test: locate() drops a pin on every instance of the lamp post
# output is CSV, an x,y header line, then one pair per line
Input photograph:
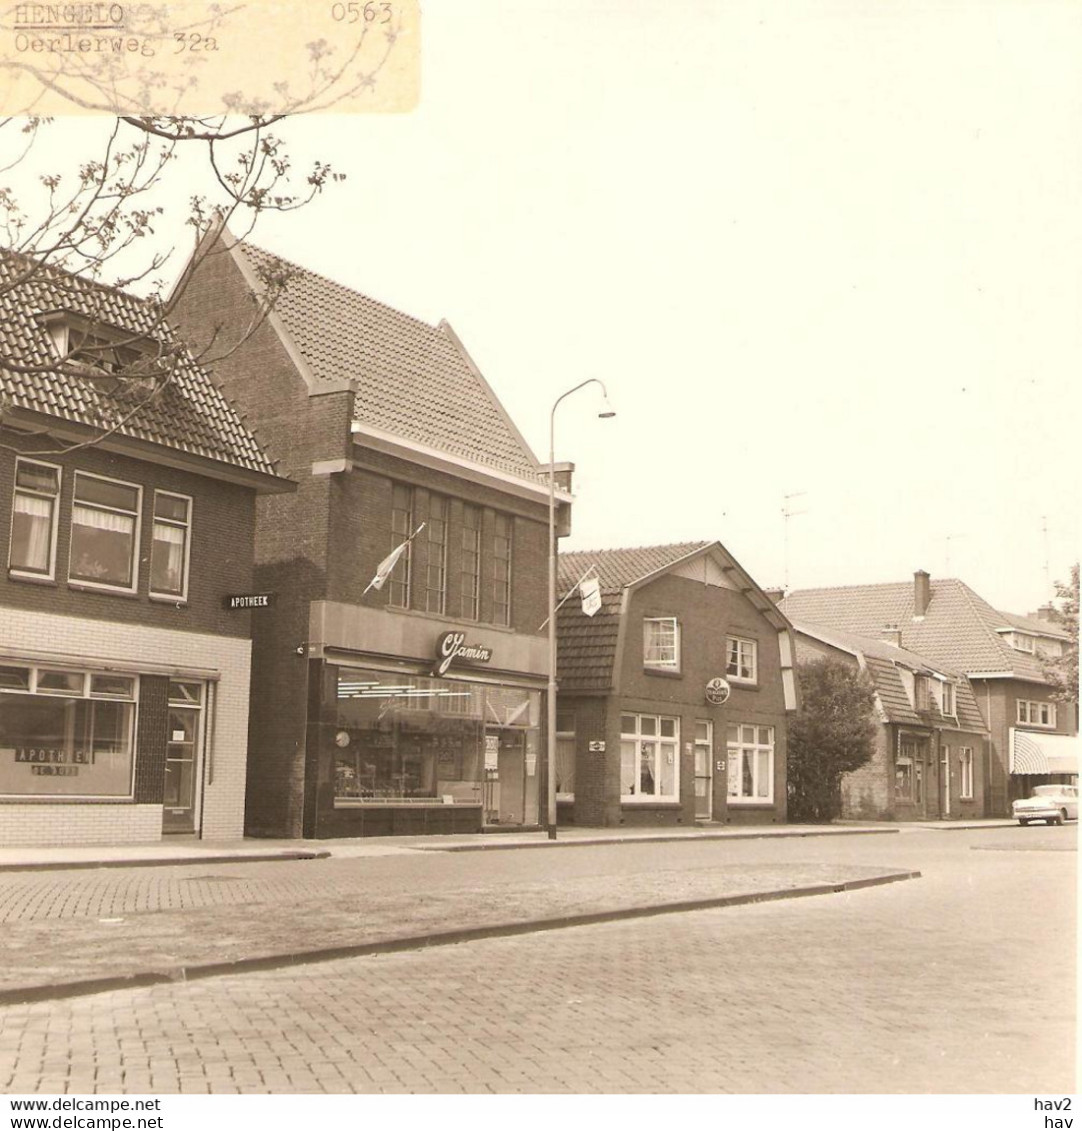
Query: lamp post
x,y
550,750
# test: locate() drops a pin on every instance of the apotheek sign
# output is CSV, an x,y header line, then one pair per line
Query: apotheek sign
x,y
453,647
249,600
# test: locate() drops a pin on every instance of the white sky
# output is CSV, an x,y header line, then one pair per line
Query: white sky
x,y
829,248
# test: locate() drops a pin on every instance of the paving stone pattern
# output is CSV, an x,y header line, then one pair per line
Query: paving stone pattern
x,y
925,986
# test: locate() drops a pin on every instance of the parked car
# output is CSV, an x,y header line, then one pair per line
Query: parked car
x,y
1052,803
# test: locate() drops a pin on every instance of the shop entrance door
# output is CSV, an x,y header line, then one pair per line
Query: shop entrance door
x,y
704,770
506,801
180,801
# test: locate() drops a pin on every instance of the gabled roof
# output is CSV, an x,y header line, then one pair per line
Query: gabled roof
x,y
884,661
1035,625
587,646
958,629
413,380
188,415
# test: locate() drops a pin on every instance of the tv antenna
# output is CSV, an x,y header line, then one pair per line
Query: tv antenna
x,y
788,513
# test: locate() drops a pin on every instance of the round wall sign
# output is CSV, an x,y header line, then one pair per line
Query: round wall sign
x,y
342,738
717,690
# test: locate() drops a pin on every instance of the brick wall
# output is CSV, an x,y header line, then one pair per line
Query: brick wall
x,y
127,646
222,532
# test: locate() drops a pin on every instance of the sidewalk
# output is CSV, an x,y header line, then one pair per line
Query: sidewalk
x,y
69,926
192,851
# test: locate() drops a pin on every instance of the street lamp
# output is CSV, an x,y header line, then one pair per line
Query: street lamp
x,y
550,760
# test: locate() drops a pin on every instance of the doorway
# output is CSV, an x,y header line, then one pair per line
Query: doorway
x,y
704,770
183,757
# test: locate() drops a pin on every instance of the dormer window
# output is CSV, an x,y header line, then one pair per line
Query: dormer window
x,y
98,348
1023,642
947,705
922,693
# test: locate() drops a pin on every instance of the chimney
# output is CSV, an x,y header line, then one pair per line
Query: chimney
x,y
1047,613
891,634
922,593
774,595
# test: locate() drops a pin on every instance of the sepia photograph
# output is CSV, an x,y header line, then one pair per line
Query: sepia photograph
x,y
539,562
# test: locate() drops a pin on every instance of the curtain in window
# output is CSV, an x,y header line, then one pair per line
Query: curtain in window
x,y
103,520
167,562
31,533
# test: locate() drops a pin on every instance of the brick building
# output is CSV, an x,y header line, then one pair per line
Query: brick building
x,y
931,741
674,696
123,677
1032,739
415,706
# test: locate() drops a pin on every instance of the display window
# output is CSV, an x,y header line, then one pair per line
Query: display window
x,y
66,733
410,739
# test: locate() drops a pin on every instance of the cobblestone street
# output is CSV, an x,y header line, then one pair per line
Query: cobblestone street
x,y
920,987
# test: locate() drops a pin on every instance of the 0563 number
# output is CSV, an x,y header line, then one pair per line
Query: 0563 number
x,y
352,13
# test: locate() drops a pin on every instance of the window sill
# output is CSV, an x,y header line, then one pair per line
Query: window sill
x,y
743,684
104,590
402,803
458,622
665,673
749,802
649,803
162,599
32,579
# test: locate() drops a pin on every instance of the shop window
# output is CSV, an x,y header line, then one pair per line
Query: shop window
x,y
565,756
649,758
965,773
104,532
661,644
66,733
34,513
750,754
436,566
742,660
471,562
169,553
501,570
421,740
1035,714
398,584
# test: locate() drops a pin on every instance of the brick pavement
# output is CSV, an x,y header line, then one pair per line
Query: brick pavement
x,y
921,987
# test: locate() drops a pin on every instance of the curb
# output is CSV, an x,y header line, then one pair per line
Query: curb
x,y
689,838
174,862
87,986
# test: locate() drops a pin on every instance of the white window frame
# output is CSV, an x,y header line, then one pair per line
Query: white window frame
x,y
137,533
86,691
16,490
948,699
660,742
1029,711
174,524
1023,642
734,756
965,773
733,664
563,732
664,663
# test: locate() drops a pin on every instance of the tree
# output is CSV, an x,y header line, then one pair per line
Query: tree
x,y
832,734
1062,671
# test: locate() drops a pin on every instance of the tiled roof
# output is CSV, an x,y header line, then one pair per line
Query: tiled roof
x,y
1035,625
883,661
413,380
586,646
189,414
958,628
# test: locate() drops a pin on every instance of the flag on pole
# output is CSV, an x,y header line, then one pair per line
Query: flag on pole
x,y
386,567
590,588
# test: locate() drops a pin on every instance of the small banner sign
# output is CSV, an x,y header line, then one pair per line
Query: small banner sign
x,y
249,600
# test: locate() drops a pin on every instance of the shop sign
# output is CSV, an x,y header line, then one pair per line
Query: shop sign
x,y
492,751
453,646
597,746
249,600
717,690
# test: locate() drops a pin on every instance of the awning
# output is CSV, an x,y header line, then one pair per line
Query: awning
x,y
1036,753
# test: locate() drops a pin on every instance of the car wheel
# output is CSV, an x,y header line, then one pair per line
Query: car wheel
x,y
1022,822
1061,817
